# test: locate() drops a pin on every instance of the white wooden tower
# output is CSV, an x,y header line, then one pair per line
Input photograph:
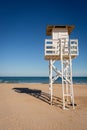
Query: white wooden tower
x,y
61,48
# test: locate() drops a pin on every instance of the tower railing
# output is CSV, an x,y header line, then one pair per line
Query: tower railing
x,y
53,47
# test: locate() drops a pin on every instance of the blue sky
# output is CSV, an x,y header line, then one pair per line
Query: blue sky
x,y
23,32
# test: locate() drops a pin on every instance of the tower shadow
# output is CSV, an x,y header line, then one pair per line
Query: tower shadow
x,y
45,97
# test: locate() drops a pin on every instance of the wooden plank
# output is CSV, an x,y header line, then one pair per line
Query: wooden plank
x,y
55,57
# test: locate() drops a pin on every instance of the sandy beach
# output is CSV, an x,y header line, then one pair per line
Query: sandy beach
x,y
26,107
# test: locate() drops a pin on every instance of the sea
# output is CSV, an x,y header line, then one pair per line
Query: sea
x,y
40,80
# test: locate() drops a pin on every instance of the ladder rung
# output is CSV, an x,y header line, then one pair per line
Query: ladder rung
x,y
67,94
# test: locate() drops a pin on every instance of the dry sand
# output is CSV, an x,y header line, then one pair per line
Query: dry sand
x,y
26,107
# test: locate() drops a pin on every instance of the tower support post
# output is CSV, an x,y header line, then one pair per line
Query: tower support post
x,y
50,81
72,92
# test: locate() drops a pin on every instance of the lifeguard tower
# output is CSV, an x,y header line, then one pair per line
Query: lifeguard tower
x,y
61,48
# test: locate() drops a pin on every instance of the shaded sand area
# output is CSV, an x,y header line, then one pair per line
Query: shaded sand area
x,y
26,107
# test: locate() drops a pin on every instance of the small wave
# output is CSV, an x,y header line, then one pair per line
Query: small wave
x,y
6,82
80,83
1,81
29,83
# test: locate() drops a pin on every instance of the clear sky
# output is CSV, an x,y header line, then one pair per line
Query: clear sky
x,y
23,32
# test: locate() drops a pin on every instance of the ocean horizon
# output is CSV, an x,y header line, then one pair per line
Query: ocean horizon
x,y
42,80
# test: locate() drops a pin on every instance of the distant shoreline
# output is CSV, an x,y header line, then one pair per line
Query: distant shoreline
x,y
39,80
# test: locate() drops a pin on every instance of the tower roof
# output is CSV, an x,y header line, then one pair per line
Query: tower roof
x,y
51,27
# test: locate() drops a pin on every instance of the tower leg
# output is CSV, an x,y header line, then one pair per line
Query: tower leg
x,y
50,81
63,83
72,93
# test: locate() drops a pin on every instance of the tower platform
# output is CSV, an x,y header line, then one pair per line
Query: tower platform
x,y
57,57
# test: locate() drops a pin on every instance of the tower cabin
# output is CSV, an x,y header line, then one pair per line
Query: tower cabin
x,y
60,35
61,48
